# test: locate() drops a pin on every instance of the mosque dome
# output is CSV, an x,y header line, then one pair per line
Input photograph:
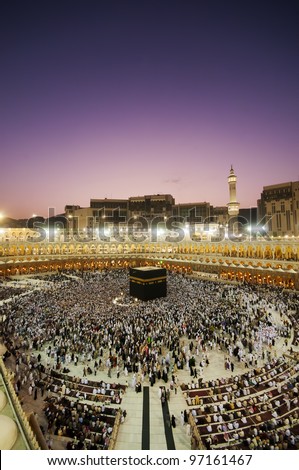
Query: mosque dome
x,y
8,432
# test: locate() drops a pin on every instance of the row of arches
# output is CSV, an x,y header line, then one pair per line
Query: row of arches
x,y
271,251
254,276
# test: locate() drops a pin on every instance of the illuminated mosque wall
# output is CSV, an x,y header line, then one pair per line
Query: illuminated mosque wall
x,y
273,262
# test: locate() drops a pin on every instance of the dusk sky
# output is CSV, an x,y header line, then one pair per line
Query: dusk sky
x,y
124,98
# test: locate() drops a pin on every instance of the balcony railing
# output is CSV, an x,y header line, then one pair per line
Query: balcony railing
x,y
21,419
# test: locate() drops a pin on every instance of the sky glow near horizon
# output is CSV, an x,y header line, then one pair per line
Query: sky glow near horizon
x,y
117,99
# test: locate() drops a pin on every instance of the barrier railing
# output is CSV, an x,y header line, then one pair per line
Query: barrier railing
x,y
21,418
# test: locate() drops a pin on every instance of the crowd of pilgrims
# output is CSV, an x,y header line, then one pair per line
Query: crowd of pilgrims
x,y
89,318
8,292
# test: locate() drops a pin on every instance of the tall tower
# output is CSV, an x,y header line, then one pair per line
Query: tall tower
x,y
233,205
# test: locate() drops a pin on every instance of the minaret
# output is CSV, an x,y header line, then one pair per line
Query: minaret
x,y
233,205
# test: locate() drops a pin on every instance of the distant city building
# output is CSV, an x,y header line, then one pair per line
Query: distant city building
x,y
220,214
110,208
100,211
248,221
112,211
193,212
202,218
151,206
278,209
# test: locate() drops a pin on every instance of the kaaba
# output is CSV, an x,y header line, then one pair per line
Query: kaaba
x,y
148,282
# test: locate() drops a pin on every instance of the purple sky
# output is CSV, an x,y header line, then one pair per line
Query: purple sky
x,y
125,98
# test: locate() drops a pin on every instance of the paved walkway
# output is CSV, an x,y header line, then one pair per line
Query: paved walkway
x,y
130,432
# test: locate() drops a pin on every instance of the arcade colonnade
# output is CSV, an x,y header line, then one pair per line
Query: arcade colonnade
x,y
273,262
